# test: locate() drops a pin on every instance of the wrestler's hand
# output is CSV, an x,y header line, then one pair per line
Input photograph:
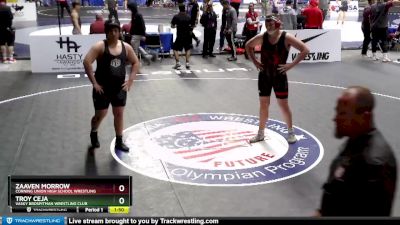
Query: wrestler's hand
x,y
98,88
259,65
126,86
284,67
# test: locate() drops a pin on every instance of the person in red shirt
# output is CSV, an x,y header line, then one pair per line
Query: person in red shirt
x,y
126,28
127,37
314,16
97,27
252,23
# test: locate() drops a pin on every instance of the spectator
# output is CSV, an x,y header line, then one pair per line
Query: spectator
x,y
342,10
379,27
7,33
265,4
204,5
97,27
222,29
125,5
209,22
251,25
231,28
236,5
193,12
288,16
112,6
64,5
76,18
313,14
324,6
366,28
138,27
126,29
182,23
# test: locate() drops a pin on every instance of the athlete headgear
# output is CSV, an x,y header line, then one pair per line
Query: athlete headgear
x,y
277,21
109,24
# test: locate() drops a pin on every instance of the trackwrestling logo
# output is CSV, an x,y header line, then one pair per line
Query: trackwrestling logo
x,y
213,150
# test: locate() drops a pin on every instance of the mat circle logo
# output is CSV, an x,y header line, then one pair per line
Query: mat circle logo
x,y
213,150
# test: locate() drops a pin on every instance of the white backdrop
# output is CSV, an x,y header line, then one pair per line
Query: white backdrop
x,y
60,54
325,45
28,13
53,53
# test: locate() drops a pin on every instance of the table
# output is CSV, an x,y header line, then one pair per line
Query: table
x,y
392,30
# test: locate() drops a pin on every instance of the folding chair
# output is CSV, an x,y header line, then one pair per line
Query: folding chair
x,y
154,45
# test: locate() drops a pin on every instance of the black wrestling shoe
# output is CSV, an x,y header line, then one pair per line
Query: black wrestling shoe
x,y
121,147
94,140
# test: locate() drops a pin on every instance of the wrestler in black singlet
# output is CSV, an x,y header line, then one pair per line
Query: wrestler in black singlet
x,y
271,56
110,74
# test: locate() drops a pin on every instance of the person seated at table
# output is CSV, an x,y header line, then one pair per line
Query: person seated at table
x,y
97,27
393,38
127,37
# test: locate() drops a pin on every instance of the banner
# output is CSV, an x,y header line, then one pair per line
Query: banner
x,y
37,220
23,11
351,14
324,45
194,220
227,221
65,53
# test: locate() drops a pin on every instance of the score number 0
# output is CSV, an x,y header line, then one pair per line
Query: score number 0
x,y
121,200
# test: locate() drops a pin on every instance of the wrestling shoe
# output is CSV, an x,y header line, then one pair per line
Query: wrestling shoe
x,y
177,66
121,146
386,58
94,140
291,138
232,58
259,137
11,61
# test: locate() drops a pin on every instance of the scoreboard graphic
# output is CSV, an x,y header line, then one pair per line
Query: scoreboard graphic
x,y
75,194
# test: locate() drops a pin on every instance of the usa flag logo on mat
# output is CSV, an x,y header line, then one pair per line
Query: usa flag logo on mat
x,y
204,145
214,150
